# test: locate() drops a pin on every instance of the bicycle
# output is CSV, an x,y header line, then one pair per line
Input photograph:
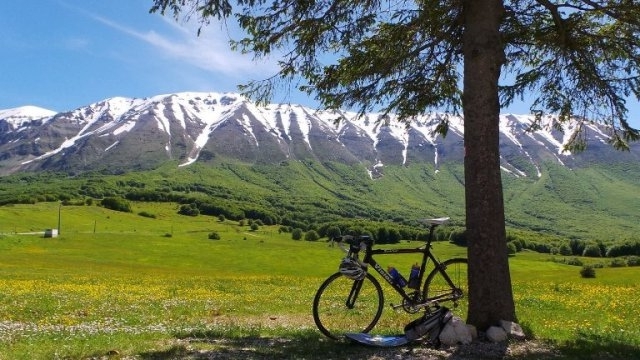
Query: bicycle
x,y
351,300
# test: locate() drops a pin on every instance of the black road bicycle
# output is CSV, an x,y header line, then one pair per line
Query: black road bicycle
x,y
351,300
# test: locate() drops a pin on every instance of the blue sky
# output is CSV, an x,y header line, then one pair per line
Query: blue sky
x,y
63,54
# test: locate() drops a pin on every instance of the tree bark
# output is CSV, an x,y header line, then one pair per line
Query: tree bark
x,y
490,293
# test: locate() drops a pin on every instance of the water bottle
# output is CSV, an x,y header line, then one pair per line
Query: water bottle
x,y
413,277
398,279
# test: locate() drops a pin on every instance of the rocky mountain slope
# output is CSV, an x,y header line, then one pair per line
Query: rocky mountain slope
x,y
122,134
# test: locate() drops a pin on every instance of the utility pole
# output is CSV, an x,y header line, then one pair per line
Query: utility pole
x,y
59,211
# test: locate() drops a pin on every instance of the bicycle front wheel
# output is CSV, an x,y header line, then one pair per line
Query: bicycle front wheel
x,y
452,287
343,305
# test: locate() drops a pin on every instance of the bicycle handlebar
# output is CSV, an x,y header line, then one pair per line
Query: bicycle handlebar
x,y
353,240
365,242
356,243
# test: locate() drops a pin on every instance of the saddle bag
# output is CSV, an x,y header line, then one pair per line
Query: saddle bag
x,y
429,326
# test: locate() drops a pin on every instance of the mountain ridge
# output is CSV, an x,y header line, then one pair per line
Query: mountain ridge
x,y
132,133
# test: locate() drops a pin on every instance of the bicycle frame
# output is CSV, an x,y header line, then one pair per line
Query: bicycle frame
x,y
427,255
409,297
425,250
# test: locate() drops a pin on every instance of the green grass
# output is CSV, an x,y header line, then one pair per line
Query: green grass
x,y
127,285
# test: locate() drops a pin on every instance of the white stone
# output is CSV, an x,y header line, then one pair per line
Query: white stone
x,y
455,332
473,331
462,331
512,329
448,335
496,334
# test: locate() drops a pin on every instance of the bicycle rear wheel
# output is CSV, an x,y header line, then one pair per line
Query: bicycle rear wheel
x,y
343,305
436,286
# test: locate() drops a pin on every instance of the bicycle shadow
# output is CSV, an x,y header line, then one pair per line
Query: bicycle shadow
x,y
308,344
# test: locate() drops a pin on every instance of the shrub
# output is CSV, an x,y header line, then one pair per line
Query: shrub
x,y
518,244
73,202
627,248
382,235
633,261
116,203
543,248
333,231
458,237
588,271
618,262
574,262
255,226
296,234
565,250
221,218
577,246
147,215
592,250
511,248
311,235
394,236
422,236
189,210
355,231
214,236
230,211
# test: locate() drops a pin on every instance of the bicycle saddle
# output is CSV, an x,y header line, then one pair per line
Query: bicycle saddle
x,y
437,221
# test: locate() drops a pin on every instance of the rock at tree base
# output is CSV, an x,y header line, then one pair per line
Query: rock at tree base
x,y
496,334
456,332
513,330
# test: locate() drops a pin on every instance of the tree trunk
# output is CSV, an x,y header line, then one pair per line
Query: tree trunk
x,y
490,293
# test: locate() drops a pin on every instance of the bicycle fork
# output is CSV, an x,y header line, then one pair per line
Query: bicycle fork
x,y
353,294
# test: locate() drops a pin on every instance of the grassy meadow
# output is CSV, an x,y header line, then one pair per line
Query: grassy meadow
x,y
120,285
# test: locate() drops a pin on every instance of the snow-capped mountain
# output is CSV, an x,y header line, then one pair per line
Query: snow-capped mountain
x,y
120,134
24,115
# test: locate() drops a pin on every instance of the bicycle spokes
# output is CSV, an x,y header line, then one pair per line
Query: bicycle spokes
x,y
342,305
448,282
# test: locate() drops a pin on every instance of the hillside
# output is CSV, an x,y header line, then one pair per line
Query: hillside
x,y
593,204
299,167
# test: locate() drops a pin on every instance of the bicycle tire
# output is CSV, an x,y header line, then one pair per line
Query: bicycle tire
x,y
334,317
436,287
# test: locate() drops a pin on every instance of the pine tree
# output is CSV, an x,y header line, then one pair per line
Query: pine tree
x,y
578,59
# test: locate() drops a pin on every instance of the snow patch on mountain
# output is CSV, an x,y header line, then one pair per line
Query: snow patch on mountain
x,y
25,114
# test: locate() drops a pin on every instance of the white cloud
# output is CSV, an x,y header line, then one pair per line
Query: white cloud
x,y
210,51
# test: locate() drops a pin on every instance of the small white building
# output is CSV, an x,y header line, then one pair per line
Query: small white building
x,y
51,233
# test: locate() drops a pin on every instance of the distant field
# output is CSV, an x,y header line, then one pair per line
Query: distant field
x,y
120,283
